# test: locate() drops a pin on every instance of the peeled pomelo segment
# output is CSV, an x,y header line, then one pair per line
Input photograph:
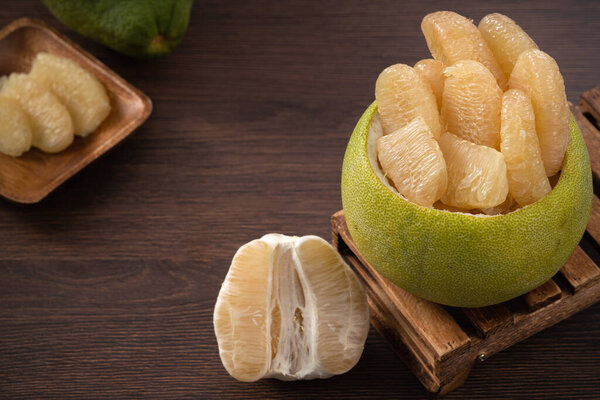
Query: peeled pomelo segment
x,y
452,38
506,39
290,308
15,134
336,293
241,319
402,95
50,122
527,180
80,91
411,158
433,72
538,76
476,174
471,103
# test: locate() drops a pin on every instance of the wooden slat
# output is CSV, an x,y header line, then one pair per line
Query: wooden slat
x,y
400,319
525,325
591,99
422,321
590,135
384,319
593,226
489,320
382,308
540,297
580,271
388,327
430,319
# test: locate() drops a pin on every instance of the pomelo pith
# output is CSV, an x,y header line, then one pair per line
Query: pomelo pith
x,y
461,259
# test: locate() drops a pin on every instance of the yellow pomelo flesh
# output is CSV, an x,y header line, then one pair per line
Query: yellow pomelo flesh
x,y
462,259
412,159
341,308
538,76
476,174
433,72
80,91
471,103
241,307
50,122
290,308
527,180
506,39
15,134
404,95
451,38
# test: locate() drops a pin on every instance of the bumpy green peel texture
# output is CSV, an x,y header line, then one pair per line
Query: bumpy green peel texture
x,y
459,259
138,28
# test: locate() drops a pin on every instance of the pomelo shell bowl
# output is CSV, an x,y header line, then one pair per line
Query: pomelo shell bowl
x,y
460,259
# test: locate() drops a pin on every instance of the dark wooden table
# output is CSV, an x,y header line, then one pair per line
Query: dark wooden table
x,y
107,287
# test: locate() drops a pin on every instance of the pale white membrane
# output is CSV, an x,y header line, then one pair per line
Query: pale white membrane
x,y
317,316
293,357
375,132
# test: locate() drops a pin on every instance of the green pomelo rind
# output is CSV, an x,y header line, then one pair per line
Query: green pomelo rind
x,y
460,259
137,28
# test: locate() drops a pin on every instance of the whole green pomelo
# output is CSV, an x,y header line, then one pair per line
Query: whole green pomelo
x,y
138,28
458,259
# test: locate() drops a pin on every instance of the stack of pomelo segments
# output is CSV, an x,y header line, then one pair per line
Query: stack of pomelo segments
x,y
440,344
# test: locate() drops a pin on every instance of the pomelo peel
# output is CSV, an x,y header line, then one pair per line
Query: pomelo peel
x,y
455,258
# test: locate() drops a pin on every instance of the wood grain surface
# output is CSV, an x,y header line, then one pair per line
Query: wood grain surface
x,y
107,286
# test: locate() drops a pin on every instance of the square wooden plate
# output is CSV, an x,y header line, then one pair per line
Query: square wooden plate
x,y
29,178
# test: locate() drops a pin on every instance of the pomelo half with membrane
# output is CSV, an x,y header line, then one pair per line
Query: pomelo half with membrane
x,y
290,308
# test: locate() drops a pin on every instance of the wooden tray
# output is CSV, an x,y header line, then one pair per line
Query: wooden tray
x,y
29,178
440,344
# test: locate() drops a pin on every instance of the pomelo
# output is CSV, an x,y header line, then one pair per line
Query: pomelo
x,y
15,133
506,39
81,92
451,38
538,76
50,122
455,258
433,72
471,103
137,28
290,308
